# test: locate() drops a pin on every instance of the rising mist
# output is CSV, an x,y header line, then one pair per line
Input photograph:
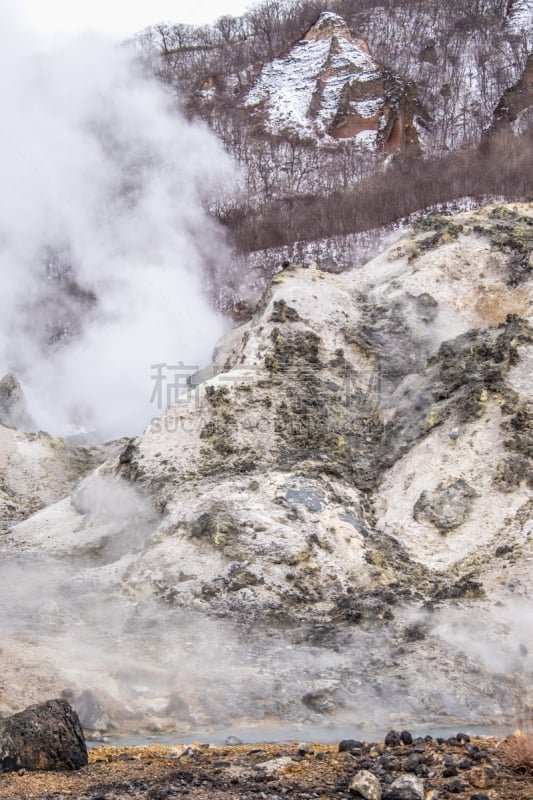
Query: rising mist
x,y
105,239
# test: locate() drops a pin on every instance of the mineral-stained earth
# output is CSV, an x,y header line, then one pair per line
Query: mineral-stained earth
x,y
335,528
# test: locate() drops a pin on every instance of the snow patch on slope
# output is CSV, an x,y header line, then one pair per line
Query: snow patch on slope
x,y
520,19
288,85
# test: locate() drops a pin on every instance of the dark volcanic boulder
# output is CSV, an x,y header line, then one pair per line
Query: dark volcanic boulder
x,y
43,737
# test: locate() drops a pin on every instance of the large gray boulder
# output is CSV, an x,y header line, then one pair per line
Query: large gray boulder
x,y
42,737
364,784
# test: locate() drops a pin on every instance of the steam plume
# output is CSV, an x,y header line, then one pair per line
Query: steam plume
x,y
104,236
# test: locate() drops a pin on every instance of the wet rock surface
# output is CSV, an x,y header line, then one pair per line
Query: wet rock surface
x,y
43,737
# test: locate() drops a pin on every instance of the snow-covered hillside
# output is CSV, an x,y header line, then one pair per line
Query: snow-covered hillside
x,y
329,84
325,103
520,19
303,90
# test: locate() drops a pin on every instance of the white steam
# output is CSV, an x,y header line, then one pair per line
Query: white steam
x,y
105,243
499,637
76,614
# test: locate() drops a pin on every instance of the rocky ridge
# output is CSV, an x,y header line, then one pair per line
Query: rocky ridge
x,y
329,84
345,502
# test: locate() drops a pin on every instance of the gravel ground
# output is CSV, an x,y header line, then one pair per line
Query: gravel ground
x,y
451,768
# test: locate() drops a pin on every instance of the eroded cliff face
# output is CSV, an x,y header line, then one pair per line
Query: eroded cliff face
x,y
516,102
330,85
347,503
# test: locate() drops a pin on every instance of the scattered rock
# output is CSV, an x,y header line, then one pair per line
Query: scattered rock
x,y
450,772
456,787
365,784
43,737
393,739
407,787
350,746
482,777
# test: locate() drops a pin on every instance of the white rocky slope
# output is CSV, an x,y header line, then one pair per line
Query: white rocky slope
x,y
329,85
339,523
289,84
37,470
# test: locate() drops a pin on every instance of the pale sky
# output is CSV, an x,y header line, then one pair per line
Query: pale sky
x,y
55,19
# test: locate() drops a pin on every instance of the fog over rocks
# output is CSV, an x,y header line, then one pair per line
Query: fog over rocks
x,y
329,528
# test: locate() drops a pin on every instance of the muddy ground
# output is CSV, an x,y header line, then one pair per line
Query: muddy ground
x,y
451,768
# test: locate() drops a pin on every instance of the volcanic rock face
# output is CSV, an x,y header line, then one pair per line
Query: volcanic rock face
x,y
349,497
328,394
45,737
13,411
330,85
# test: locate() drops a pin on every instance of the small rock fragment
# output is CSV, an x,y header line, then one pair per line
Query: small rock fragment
x,y
411,763
482,777
456,787
450,772
446,508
